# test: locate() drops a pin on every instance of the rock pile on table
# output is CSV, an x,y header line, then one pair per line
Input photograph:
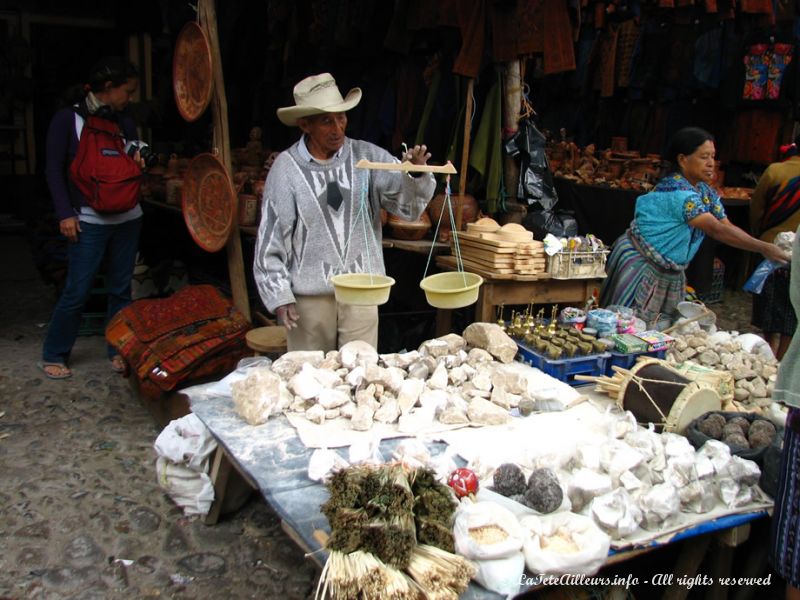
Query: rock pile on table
x,y
753,374
453,379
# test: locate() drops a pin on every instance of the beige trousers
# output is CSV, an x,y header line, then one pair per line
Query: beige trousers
x,y
326,325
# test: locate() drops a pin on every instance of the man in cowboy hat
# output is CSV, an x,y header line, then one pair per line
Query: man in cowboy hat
x,y
321,217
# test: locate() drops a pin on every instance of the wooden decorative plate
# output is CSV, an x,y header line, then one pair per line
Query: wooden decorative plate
x,y
192,78
209,202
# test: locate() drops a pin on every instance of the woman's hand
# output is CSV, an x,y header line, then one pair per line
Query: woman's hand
x,y
772,252
70,227
418,155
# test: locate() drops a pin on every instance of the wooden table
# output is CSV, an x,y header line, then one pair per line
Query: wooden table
x,y
497,291
274,461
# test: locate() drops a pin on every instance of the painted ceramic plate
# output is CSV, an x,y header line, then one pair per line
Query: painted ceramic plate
x,y
192,78
209,202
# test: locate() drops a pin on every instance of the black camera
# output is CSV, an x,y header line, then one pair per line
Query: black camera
x,y
146,153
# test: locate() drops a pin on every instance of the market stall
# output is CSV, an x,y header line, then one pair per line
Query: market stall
x,y
292,425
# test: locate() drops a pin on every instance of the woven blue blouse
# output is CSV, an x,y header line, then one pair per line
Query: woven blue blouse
x,y
663,216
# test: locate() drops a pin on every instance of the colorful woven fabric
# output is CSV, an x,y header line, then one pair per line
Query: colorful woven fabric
x,y
635,281
785,516
170,340
780,58
756,64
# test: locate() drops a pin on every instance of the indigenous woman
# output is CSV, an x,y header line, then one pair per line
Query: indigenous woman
x,y
646,266
775,208
785,538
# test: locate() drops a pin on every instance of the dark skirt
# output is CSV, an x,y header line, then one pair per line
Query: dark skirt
x,y
786,516
772,309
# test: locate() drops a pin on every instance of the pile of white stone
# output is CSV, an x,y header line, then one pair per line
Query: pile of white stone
x,y
754,373
455,380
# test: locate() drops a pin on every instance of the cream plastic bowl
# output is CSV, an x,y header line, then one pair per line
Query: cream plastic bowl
x,y
451,290
362,289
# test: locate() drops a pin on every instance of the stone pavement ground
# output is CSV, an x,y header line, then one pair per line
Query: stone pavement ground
x,y
79,494
79,488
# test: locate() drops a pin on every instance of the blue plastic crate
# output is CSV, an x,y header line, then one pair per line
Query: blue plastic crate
x,y
626,361
564,369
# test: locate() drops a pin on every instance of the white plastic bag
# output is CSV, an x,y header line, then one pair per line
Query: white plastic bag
x,y
564,543
183,448
186,441
485,530
323,463
501,575
190,490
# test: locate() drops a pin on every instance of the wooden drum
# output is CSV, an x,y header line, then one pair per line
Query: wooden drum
x,y
656,393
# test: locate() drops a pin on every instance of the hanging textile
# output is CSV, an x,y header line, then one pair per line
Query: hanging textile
x,y
559,48
517,29
486,156
471,22
628,36
756,135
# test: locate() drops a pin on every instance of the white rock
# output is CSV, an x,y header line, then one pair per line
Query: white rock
x,y
409,394
396,378
332,413
438,380
483,412
452,415
259,396
402,360
418,370
316,414
362,419
329,399
357,353
304,384
355,377
290,363
435,348
493,339
452,361
477,356
388,412
483,378
332,361
499,397
458,375
348,410
434,400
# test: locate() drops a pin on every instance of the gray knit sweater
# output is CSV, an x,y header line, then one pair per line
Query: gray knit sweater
x,y
305,238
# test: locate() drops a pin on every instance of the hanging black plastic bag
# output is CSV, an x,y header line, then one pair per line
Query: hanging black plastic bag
x,y
535,179
561,223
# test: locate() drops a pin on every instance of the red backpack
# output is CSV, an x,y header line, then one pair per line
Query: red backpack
x,y
102,170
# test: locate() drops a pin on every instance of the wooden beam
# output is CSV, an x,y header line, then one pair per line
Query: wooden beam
x,y
208,21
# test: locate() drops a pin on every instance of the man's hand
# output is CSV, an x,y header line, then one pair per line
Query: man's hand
x,y
70,227
287,315
418,155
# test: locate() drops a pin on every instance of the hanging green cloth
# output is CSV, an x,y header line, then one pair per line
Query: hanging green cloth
x,y
429,102
486,156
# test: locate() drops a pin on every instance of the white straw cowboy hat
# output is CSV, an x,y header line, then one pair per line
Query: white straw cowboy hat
x,y
316,95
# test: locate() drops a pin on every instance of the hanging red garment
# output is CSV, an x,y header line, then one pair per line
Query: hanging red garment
x,y
710,6
517,29
763,7
756,136
559,49
471,22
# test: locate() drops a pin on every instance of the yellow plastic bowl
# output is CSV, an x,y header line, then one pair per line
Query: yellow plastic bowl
x,y
362,289
451,290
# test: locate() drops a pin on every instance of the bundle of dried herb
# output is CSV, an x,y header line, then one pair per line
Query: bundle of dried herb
x,y
370,509
434,510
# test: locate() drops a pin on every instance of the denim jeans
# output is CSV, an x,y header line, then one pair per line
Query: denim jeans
x,y
119,244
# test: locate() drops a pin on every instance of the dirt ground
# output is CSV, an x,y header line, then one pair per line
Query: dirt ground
x,y
81,514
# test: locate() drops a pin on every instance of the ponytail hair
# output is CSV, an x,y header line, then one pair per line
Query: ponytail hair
x,y
115,69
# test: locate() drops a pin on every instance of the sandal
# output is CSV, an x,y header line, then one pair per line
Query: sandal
x,y
63,371
118,364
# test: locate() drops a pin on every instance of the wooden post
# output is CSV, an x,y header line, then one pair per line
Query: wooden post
x,y
511,105
462,179
208,21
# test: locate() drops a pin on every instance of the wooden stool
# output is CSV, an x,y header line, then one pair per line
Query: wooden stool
x,y
267,340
